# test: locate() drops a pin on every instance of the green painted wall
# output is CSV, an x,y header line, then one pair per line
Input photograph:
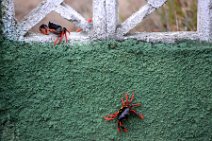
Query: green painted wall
x,y
61,93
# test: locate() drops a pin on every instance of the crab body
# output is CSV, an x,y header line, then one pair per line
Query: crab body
x,y
55,29
124,112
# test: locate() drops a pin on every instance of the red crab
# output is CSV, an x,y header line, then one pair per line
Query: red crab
x,y
55,29
125,111
58,30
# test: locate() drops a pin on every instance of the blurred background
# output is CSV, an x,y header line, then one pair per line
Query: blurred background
x,y
175,15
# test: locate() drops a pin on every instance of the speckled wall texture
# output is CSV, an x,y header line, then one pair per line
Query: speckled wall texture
x,y
61,93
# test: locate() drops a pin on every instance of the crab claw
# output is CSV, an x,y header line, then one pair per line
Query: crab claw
x,y
111,116
44,29
141,116
79,30
108,118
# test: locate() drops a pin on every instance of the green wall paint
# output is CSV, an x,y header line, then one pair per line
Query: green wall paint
x,y
61,93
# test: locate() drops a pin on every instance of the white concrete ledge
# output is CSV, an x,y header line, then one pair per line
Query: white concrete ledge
x,y
155,37
73,36
164,37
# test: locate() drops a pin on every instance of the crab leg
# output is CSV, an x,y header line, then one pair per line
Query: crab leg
x,y
111,116
55,42
66,37
141,116
136,105
122,102
61,37
127,97
132,97
58,39
121,125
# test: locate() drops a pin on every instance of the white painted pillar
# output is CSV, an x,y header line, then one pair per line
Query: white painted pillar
x,y
204,17
99,19
8,19
112,16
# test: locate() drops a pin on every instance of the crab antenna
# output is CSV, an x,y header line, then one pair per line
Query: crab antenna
x,y
111,116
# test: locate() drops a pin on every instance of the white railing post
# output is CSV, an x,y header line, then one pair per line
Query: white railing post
x,y
105,18
112,16
99,19
8,19
204,23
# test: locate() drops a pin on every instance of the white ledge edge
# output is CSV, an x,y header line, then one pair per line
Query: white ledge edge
x,y
154,37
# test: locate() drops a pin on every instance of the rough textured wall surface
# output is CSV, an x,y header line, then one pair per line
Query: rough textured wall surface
x,y
61,93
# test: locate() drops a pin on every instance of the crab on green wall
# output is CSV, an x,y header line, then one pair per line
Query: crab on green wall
x,y
62,93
